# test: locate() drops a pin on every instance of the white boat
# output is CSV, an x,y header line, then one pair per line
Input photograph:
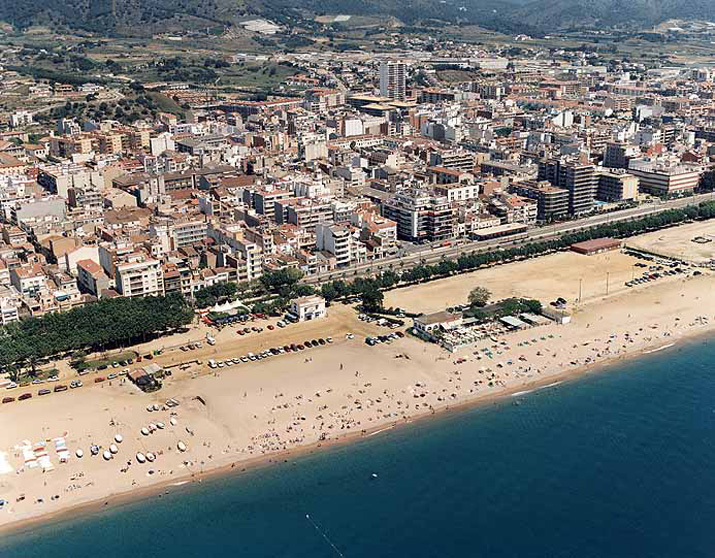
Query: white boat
x,y
107,455
181,446
141,458
145,431
113,448
118,438
79,453
150,457
160,425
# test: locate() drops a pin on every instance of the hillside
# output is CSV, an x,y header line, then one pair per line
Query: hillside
x,y
609,13
151,16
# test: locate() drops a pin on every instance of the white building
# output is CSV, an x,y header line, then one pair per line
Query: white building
x,y
308,308
392,80
342,242
139,277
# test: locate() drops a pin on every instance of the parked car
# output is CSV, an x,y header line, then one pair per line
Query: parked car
x,y
24,396
75,384
60,388
8,399
44,392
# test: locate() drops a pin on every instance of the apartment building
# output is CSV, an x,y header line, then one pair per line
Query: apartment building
x,y
139,276
304,213
577,178
420,216
91,278
393,80
616,185
552,203
342,242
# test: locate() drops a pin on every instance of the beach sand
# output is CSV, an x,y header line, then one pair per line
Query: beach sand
x,y
252,412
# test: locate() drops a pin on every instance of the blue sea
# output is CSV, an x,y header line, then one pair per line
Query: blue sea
x,y
616,464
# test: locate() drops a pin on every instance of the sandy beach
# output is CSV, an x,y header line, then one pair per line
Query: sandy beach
x,y
252,412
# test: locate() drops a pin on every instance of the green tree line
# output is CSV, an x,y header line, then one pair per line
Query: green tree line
x,y
101,325
365,288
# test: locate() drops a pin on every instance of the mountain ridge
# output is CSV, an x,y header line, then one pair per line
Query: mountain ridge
x,y
151,16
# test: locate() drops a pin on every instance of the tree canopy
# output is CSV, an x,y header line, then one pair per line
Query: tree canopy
x,y
479,296
108,323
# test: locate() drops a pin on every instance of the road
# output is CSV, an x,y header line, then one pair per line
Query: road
x,y
433,254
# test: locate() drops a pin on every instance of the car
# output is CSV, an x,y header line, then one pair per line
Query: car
x,y
347,336
11,385
75,384
287,348
301,347
122,363
149,356
60,387
370,341
102,367
37,381
244,359
131,360
25,396
184,348
321,341
53,379
293,347
315,342
83,372
99,379
44,392
8,399
241,332
111,376
115,364
251,356
220,364
400,334
281,324
270,327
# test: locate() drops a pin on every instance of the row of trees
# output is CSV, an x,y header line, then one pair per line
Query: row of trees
x,y
366,288
106,324
215,294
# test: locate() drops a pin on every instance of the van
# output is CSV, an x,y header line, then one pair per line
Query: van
x,y
210,340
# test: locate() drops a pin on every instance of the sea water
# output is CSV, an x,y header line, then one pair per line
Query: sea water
x,y
619,463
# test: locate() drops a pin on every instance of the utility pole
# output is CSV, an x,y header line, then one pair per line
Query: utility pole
x,y
580,288
608,276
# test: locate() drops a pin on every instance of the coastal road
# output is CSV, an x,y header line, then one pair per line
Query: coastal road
x,y
429,254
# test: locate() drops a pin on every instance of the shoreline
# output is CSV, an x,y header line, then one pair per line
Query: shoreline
x,y
116,500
